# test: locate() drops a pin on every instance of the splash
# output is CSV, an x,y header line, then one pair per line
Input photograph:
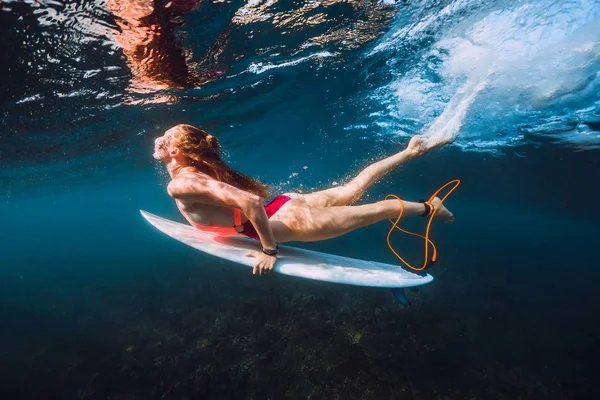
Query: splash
x,y
446,127
496,75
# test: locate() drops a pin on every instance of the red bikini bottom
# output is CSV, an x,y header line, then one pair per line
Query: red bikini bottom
x,y
270,209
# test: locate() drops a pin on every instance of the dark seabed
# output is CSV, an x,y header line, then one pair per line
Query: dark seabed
x,y
97,304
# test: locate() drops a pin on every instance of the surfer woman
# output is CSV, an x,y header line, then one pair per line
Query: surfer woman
x,y
213,196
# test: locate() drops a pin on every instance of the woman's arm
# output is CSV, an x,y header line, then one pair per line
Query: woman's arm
x,y
211,192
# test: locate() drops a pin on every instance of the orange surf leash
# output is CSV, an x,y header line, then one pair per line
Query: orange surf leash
x,y
433,210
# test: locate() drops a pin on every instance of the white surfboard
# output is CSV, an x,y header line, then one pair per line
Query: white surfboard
x,y
291,260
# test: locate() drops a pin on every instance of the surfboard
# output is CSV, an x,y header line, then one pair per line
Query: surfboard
x,y
293,261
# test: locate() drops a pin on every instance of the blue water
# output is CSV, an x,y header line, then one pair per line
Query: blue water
x,y
96,304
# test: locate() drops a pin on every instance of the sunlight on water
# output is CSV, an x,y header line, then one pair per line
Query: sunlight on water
x,y
489,75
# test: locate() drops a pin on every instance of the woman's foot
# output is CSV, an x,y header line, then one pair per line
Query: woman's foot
x,y
442,213
419,145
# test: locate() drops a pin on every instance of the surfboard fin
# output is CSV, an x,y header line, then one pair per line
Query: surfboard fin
x,y
400,294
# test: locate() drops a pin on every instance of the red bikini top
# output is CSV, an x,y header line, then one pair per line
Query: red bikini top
x,y
218,230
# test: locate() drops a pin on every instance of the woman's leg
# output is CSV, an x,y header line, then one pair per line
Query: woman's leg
x,y
300,222
353,190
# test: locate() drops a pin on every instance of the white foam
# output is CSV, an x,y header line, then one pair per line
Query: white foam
x,y
259,68
447,126
530,59
30,98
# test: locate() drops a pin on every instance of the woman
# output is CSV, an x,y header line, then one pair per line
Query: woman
x,y
209,193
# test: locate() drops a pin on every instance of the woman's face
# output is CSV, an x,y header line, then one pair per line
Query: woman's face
x,y
165,146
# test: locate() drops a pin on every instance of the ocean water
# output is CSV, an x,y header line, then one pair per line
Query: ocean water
x,y
97,304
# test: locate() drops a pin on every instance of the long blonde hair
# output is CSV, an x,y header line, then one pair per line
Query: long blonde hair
x,y
203,153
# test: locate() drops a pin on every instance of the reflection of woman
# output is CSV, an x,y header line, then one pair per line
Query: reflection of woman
x,y
147,37
211,194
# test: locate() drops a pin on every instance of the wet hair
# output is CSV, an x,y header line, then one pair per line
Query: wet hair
x,y
203,153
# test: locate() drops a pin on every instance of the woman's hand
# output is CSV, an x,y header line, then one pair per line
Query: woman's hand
x,y
264,262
